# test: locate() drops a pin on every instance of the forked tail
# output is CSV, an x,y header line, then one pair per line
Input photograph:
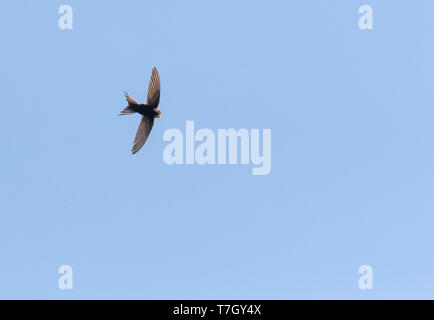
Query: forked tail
x,y
128,109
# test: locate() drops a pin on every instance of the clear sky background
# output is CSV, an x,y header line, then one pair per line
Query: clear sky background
x,y
352,176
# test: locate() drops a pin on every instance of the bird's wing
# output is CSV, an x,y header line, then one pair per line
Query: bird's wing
x,y
142,134
154,89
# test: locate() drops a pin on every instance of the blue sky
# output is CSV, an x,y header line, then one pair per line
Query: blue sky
x,y
352,176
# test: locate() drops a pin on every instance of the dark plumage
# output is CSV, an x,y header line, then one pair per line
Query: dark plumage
x,y
148,110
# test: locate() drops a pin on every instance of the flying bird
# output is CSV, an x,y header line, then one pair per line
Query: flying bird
x,y
148,110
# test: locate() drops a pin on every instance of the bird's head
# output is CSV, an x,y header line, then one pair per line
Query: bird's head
x,y
158,115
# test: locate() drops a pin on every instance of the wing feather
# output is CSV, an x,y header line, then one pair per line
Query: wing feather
x,y
142,134
153,98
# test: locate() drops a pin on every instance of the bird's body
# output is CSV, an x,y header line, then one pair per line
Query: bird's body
x,y
148,110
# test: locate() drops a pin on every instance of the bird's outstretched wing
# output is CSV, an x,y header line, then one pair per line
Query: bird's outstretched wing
x,y
143,132
154,89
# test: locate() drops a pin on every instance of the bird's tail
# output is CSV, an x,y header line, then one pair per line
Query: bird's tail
x,y
128,109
